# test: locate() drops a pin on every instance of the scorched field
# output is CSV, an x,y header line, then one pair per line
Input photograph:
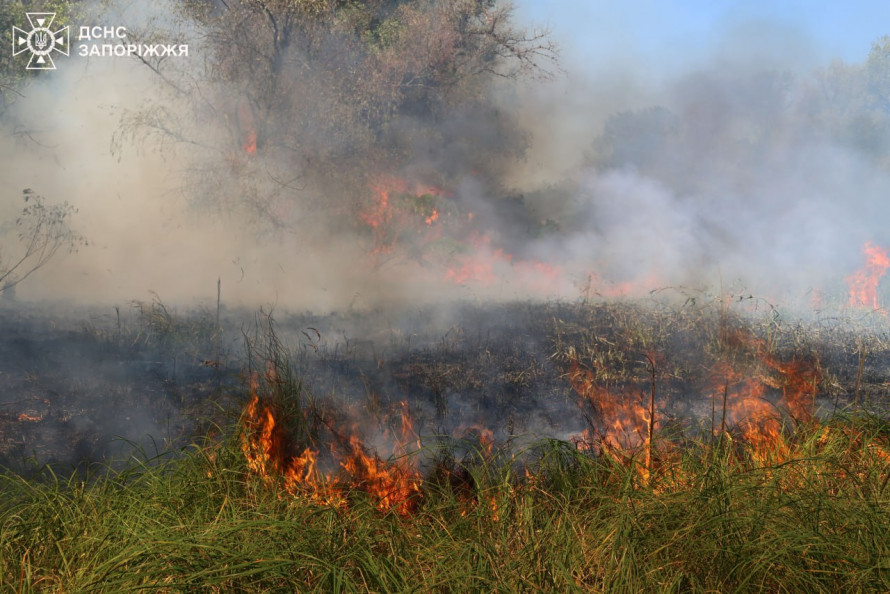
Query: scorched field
x,y
704,444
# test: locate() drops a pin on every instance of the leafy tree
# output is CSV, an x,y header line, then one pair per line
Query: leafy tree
x,y
719,125
850,103
42,230
14,75
637,138
877,74
314,94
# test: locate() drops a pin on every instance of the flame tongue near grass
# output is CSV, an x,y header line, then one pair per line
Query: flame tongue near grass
x,y
393,485
744,400
262,440
864,283
626,424
742,405
623,422
625,419
797,379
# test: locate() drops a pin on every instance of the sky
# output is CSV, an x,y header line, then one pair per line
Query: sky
x,y
593,32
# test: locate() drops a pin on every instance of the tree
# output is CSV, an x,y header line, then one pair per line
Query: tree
x,y
301,103
14,76
877,74
719,125
42,231
636,138
850,104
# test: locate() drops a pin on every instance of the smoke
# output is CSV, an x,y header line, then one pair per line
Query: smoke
x,y
738,165
749,164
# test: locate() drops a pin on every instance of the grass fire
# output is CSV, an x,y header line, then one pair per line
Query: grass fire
x,y
559,445
420,296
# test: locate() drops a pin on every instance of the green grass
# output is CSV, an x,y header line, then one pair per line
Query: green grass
x,y
708,516
709,519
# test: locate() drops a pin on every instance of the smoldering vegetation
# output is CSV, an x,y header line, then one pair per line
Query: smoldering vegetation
x,y
738,167
647,307
89,385
513,428
82,386
386,157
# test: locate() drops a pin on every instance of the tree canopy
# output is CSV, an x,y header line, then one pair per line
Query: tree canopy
x,y
733,123
328,94
14,75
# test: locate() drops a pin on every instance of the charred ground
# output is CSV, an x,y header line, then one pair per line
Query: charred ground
x,y
81,386
86,386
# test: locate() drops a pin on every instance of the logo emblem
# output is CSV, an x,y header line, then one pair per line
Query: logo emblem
x,y
41,41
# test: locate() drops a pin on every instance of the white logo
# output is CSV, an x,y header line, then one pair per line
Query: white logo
x,y
40,40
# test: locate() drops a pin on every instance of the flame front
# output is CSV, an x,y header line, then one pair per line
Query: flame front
x,y
392,485
864,283
395,486
741,404
625,426
625,419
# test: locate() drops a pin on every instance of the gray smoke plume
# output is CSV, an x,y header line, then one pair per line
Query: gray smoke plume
x,y
753,167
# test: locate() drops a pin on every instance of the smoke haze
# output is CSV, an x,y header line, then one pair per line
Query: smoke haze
x,y
751,164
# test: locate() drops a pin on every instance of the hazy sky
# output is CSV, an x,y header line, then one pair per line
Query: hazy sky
x,y
673,33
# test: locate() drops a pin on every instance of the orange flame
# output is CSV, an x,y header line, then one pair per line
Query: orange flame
x,y
744,402
739,402
393,485
743,406
627,424
485,265
389,218
798,379
596,285
484,435
864,283
480,266
248,131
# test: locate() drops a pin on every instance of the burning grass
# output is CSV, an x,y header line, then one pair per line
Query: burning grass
x,y
711,522
700,449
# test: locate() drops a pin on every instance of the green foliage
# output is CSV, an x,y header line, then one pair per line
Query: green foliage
x,y
744,117
637,138
333,94
877,73
13,74
853,102
42,231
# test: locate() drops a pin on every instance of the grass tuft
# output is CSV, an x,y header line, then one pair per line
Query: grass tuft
x,y
573,522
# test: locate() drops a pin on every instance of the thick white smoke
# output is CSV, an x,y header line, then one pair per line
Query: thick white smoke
x,y
741,188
